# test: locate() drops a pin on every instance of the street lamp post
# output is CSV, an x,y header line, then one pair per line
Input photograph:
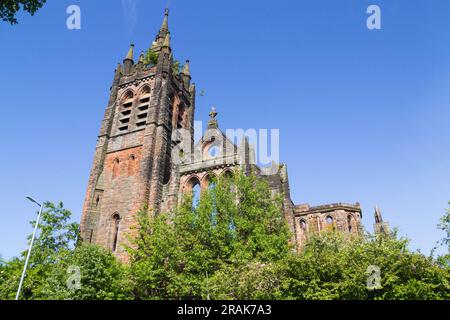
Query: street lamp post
x,y
31,245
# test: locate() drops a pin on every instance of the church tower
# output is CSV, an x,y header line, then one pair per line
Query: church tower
x,y
132,167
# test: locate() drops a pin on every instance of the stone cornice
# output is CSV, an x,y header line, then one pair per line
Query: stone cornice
x,y
306,210
186,170
137,81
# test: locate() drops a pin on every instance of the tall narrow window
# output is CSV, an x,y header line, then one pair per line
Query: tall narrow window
x,y
132,165
116,168
167,169
329,220
211,182
196,190
228,175
115,230
180,118
329,223
303,225
192,188
349,222
144,103
124,118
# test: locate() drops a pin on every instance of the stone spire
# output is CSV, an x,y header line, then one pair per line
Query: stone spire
x,y
166,43
187,69
380,227
186,75
128,62
165,25
130,54
117,74
212,123
378,217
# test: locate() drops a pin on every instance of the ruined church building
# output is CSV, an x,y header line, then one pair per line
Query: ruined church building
x,y
134,166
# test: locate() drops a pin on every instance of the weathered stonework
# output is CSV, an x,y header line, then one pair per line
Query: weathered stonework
x,y
133,166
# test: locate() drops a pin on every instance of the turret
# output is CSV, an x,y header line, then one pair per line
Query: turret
x,y
165,26
117,74
166,44
380,227
186,75
128,62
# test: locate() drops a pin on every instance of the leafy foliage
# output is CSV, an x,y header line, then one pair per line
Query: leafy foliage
x,y
235,223
444,225
56,239
9,8
54,251
230,244
177,66
151,58
100,276
334,267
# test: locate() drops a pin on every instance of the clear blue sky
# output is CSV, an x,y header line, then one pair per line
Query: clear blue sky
x,y
363,115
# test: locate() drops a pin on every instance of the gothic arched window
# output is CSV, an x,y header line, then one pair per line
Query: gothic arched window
x,y
116,168
228,174
144,104
125,112
196,190
131,165
211,181
329,220
115,230
303,225
349,223
193,188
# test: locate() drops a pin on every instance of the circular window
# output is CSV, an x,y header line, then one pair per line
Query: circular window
x,y
214,151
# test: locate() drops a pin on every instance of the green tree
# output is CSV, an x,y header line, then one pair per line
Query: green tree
x,y
88,273
62,269
2,270
9,8
444,225
333,266
55,239
236,223
250,281
151,57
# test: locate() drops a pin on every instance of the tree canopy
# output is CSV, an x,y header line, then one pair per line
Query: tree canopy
x,y
10,8
235,223
232,243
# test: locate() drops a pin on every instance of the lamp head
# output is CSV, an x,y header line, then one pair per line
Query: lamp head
x,y
34,201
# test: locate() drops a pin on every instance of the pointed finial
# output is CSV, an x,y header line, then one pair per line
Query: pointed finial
x,y
187,69
141,57
212,123
165,24
378,217
130,54
166,43
213,114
